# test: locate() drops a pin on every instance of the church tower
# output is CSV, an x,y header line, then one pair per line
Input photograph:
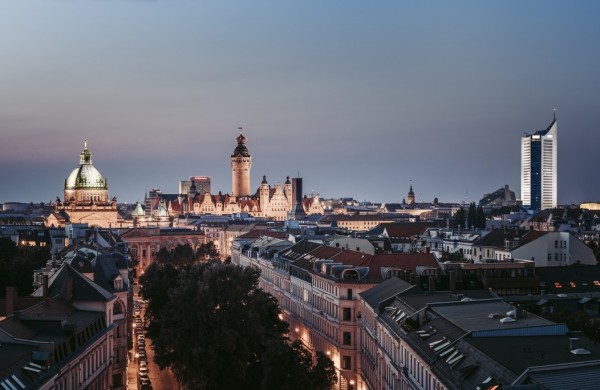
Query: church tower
x,y
241,161
411,195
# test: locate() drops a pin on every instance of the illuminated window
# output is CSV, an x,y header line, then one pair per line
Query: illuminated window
x,y
596,283
573,285
557,285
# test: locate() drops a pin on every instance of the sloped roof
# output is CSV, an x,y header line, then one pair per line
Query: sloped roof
x,y
70,285
383,291
300,248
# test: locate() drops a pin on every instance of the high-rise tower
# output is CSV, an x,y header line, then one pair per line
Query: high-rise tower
x,y
538,168
241,161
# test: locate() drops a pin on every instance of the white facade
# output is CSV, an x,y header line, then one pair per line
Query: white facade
x,y
555,249
539,168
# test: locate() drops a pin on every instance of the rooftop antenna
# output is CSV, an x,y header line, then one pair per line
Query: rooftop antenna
x,y
240,129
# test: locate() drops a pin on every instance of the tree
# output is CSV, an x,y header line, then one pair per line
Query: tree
x,y
207,251
459,217
163,256
17,264
219,330
596,249
156,282
480,222
472,216
183,254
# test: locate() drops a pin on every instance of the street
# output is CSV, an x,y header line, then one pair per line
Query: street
x,y
159,379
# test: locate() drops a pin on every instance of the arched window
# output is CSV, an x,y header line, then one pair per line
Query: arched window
x,y
118,308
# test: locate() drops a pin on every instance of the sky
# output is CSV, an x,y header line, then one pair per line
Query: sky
x,y
359,98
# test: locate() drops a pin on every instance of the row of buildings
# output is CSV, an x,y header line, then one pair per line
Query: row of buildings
x,y
86,198
410,321
73,332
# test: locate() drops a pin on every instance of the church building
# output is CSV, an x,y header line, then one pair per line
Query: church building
x,y
86,198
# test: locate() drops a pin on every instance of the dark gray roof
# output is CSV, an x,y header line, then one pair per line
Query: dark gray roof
x,y
106,271
295,251
558,378
383,291
70,285
520,353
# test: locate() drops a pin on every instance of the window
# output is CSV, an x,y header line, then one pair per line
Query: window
x,y
347,338
349,294
346,362
347,314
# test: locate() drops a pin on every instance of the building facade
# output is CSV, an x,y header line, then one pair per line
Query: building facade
x,y
539,168
86,198
241,162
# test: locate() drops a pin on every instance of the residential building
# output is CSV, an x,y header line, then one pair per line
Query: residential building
x,y
555,249
317,289
144,243
441,341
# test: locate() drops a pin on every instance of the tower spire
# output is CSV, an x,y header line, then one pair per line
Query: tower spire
x,y
554,110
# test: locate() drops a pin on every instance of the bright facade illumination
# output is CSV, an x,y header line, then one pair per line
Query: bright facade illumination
x,y
539,168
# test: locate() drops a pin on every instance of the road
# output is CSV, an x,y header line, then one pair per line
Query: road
x,y
160,379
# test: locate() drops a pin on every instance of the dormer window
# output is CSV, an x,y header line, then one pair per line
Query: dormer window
x,y
118,284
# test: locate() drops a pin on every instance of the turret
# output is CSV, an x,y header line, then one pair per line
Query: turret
x,y
241,162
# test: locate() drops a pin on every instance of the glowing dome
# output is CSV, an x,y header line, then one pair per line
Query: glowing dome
x,y
85,183
85,175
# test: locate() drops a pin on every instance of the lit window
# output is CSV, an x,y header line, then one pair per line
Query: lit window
x,y
596,283
573,285
557,285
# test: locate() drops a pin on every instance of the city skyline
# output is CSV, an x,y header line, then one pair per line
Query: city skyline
x,y
361,100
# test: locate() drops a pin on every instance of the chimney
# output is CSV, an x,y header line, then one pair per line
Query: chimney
x,y
452,278
45,286
431,284
573,343
69,288
11,297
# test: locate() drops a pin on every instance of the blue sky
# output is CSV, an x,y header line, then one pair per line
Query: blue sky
x,y
360,98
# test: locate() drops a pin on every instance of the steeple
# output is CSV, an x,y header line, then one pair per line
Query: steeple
x,y
241,162
411,195
86,156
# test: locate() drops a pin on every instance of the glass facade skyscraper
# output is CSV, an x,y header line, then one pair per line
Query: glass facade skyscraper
x,y
538,168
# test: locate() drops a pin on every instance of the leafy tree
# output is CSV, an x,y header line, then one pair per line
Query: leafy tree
x,y
155,284
596,249
17,264
472,216
183,254
218,330
480,222
207,251
163,256
459,218
323,375
454,257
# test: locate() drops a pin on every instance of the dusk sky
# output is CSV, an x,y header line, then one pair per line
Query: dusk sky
x,y
360,98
